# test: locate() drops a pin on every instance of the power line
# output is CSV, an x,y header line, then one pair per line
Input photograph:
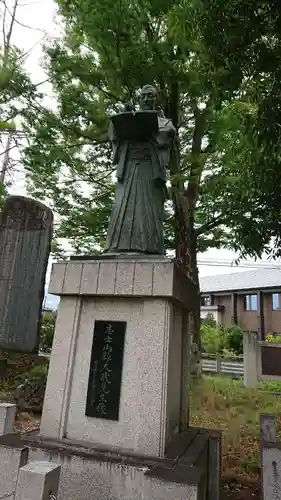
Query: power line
x,y
246,261
244,266
263,264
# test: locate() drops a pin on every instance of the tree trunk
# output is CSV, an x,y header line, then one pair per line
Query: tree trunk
x,y
195,314
185,199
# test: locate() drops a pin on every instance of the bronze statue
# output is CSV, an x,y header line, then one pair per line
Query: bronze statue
x,y
142,142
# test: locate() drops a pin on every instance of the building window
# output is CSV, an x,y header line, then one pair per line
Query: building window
x,y
251,303
206,301
276,301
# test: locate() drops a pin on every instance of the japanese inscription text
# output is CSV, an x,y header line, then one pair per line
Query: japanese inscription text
x,y
104,387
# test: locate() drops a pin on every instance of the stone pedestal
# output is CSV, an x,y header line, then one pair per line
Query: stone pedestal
x,y
153,298
190,469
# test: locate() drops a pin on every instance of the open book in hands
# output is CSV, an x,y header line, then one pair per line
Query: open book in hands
x,y
135,125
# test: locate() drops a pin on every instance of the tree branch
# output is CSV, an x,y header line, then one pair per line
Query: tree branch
x,y
196,168
211,224
4,24
8,150
38,107
9,34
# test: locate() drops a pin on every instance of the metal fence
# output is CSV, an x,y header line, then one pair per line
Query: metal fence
x,y
216,364
225,366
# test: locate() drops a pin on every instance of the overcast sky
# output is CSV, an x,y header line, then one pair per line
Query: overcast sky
x,y
39,16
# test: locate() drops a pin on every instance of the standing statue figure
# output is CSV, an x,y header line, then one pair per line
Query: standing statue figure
x,y
137,218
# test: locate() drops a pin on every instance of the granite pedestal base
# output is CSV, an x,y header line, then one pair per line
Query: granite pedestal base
x,y
153,299
190,469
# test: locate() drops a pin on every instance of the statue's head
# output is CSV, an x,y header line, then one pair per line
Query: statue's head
x,y
148,97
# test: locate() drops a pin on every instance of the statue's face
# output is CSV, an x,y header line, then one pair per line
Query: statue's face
x,y
148,98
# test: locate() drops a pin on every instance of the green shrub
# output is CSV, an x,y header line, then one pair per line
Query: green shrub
x,y
37,372
213,338
209,320
234,339
47,332
217,340
230,354
273,337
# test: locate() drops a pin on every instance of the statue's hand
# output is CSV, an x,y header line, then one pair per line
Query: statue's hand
x,y
129,106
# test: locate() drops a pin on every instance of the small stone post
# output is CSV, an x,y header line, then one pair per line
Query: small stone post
x,y
269,456
11,459
7,418
268,430
214,476
38,481
271,471
250,350
218,364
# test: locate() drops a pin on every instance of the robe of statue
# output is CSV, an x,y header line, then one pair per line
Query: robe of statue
x,y
137,218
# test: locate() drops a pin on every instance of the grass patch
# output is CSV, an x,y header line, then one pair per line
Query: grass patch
x,y
225,404
36,373
18,369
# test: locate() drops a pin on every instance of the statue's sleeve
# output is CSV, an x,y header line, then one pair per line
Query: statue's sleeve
x,y
119,152
115,143
111,133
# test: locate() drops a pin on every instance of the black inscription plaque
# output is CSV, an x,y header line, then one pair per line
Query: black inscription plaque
x,y
103,396
271,361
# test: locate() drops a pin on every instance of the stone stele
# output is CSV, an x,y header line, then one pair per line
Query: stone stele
x,y
25,241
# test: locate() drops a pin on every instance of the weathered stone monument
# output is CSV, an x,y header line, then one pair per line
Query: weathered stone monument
x,y
116,410
25,240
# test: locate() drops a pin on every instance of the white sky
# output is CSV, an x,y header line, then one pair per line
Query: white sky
x,y
40,15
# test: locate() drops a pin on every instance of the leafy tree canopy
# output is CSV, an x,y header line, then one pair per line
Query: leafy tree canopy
x,y
16,94
108,51
248,42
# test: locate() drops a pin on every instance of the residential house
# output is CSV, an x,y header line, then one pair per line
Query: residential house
x,y
250,299
48,312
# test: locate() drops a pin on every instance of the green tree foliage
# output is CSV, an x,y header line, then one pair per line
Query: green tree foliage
x,y
248,43
47,331
234,339
109,49
213,338
219,340
15,88
16,92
